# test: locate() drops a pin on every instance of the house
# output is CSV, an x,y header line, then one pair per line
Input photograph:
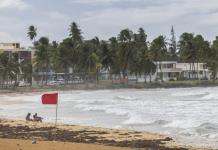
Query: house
x,y
23,54
173,70
194,71
167,70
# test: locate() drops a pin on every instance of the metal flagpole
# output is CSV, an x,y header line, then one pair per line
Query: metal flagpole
x,y
56,115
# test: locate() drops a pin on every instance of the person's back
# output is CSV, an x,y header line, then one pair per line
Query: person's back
x,y
28,117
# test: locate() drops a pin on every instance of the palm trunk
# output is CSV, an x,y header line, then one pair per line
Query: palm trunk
x,y
190,71
197,71
136,78
145,78
150,77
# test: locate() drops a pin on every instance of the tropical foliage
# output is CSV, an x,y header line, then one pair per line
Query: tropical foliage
x,y
129,53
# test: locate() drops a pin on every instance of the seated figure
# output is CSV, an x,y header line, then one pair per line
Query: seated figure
x,y
28,117
37,118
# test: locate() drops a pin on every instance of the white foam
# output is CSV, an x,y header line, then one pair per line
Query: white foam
x,y
126,97
173,111
182,124
190,93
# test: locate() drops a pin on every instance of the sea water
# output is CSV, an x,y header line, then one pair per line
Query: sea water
x,y
190,115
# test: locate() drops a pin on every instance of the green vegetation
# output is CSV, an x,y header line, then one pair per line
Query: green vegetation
x,y
127,54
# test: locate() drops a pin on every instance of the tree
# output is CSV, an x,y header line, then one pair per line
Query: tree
x,y
193,49
55,56
125,50
201,48
213,61
158,51
106,55
187,51
139,56
125,35
32,32
9,68
75,33
115,67
42,57
69,56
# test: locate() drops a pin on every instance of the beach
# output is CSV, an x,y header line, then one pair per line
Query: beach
x,y
18,134
11,144
131,116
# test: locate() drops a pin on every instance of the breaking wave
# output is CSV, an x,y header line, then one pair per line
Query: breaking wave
x,y
126,98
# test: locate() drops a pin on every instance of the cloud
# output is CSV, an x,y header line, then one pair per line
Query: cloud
x,y
58,16
157,15
104,2
105,18
19,4
6,37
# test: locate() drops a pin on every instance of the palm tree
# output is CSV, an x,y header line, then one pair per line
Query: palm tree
x,y
9,68
125,50
67,57
213,59
187,51
42,56
32,33
158,50
125,35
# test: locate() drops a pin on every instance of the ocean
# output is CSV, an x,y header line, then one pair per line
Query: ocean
x,y
190,115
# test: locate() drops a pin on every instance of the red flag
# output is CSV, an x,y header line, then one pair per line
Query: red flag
x,y
50,98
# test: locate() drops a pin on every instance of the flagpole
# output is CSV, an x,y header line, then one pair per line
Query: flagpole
x,y
56,114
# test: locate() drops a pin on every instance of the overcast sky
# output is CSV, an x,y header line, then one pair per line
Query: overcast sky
x,y
105,18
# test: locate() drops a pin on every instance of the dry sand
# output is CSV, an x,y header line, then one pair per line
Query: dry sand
x,y
11,144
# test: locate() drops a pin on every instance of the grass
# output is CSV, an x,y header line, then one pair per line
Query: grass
x,y
110,85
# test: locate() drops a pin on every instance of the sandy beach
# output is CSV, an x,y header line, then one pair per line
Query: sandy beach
x,y
12,144
17,134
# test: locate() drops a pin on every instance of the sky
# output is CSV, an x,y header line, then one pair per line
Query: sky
x,y
106,18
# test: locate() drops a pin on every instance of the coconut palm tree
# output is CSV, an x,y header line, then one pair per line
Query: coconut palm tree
x,y
158,51
126,50
32,33
42,56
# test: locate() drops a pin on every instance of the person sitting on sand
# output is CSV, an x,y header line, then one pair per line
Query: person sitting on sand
x,y
28,117
37,118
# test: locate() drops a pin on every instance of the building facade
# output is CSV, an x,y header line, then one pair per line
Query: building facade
x,y
23,54
173,70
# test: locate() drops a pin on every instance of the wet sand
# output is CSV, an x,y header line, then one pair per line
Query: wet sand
x,y
78,137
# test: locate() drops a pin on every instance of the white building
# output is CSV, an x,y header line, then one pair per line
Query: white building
x,y
172,70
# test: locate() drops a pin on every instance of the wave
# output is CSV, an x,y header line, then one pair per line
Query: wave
x,y
117,111
109,109
210,96
190,94
160,122
136,119
207,127
183,124
208,130
126,98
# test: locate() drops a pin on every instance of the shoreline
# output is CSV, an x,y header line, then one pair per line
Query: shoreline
x,y
110,86
93,87
22,130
